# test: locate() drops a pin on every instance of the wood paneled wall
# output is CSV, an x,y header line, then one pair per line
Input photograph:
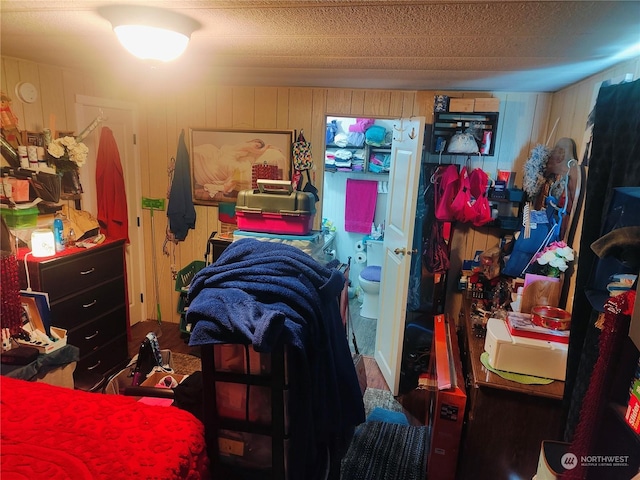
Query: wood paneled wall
x,y
525,120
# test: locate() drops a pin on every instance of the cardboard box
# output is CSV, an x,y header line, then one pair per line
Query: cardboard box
x,y
15,189
448,402
153,379
632,415
461,104
486,105
59,334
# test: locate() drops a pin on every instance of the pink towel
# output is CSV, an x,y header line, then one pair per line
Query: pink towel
x,y
360,205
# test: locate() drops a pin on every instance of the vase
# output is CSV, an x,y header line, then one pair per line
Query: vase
x,y
71,182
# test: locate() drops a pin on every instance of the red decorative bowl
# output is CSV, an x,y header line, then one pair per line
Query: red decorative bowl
x,y
551,317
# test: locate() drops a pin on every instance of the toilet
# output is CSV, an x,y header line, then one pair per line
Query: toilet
x,y
370,279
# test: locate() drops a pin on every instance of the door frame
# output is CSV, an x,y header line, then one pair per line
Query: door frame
x,y
134,251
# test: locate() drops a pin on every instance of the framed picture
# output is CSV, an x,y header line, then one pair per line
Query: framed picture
x,y
32,139
41,300
222,160
31,314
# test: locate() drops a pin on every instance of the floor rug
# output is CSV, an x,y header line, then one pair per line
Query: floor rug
x,y
381,451
374,397
185,364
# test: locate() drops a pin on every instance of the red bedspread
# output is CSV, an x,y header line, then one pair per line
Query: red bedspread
x,y
56,433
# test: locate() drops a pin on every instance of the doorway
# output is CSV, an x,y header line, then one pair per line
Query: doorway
x,y
121,118
388,162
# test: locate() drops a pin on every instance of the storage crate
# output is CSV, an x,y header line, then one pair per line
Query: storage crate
x,y
486,105
20,217
186,275
461,104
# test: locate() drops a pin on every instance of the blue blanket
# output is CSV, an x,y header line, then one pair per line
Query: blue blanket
x,y
267,294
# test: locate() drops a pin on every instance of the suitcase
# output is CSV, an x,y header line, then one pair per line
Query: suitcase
x,y
275,208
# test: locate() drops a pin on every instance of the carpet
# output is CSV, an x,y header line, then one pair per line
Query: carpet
x,y
185,364
381,451
374,397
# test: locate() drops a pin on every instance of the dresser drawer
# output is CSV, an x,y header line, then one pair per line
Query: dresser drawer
x,y
88,304
69,275
91,336
109,356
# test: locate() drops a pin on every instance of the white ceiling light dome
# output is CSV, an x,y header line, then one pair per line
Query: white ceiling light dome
x,y
150,33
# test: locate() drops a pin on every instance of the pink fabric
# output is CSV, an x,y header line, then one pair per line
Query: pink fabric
x,y
360,205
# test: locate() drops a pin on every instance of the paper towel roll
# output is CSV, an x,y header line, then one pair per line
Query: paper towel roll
x,y
359,246
361,257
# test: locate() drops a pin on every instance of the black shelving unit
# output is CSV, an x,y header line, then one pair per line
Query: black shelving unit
x,y
447,124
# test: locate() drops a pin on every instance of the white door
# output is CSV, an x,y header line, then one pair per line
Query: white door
x,y
404,176
121,118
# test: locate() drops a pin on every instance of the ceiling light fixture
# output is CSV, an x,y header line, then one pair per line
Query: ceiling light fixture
x,y
150,33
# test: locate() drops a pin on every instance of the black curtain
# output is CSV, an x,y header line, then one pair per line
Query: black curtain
x,y
614,162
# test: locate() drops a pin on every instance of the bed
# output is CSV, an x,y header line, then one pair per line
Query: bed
x,y
52,433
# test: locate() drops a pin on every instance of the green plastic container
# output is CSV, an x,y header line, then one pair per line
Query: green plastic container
x,y
20,218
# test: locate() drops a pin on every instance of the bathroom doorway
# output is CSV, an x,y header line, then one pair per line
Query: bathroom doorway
x,y
382,170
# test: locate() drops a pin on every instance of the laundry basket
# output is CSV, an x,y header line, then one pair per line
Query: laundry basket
x,y
186,275
118,382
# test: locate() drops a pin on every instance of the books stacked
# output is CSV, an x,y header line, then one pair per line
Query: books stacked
x,y
632,416
521,325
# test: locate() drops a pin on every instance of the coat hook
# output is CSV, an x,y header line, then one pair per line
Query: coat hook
x,y
399,130
412,135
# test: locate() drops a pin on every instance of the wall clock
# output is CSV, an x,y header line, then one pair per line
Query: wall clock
x,y
26,92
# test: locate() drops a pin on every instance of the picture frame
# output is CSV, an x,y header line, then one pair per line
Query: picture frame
x,y
32,316
222,160
44,308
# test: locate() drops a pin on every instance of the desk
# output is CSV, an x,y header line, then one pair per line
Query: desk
x,y
506,421
55,368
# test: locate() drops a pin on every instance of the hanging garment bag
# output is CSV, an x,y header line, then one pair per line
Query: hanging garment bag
x,y
263,171
462,205
302,159
447,184
479,181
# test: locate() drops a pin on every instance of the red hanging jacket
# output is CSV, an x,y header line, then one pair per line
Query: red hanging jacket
x,y
447,184
462,206
479,181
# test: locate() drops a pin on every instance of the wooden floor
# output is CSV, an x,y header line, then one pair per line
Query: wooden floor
x,y
170,338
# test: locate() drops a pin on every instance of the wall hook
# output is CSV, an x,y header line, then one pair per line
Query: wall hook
x,y
399,130
412,135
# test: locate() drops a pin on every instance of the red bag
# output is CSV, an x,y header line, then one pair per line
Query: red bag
x,y
462,205
479,181
446,182
263,171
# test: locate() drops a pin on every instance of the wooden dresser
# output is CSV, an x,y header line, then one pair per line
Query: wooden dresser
x,y
87,293
506,421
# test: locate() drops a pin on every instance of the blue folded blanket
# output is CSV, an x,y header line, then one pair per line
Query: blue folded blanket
x,y
268,294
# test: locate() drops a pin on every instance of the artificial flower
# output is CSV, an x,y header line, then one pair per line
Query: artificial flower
x,y
553,260
67,154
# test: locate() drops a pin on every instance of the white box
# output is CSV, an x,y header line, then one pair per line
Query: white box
x,y
59,334
529,356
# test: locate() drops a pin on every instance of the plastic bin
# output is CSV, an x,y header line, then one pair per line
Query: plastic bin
x,y
20,217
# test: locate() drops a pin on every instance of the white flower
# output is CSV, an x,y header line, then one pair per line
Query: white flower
x,y
55,150
546,257
69,148
566,252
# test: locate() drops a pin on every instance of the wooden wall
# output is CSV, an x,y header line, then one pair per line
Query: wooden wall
x,y
525,120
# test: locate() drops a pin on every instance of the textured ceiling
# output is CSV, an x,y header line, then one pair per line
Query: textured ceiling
x,y
465,45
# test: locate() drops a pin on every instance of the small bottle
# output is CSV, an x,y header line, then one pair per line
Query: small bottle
x,y
58,232
71,239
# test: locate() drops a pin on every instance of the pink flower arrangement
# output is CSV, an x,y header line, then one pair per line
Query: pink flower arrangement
x,y
554,259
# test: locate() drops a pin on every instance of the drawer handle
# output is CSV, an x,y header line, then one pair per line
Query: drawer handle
x,y
90,304
95,366
87,272
92,336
